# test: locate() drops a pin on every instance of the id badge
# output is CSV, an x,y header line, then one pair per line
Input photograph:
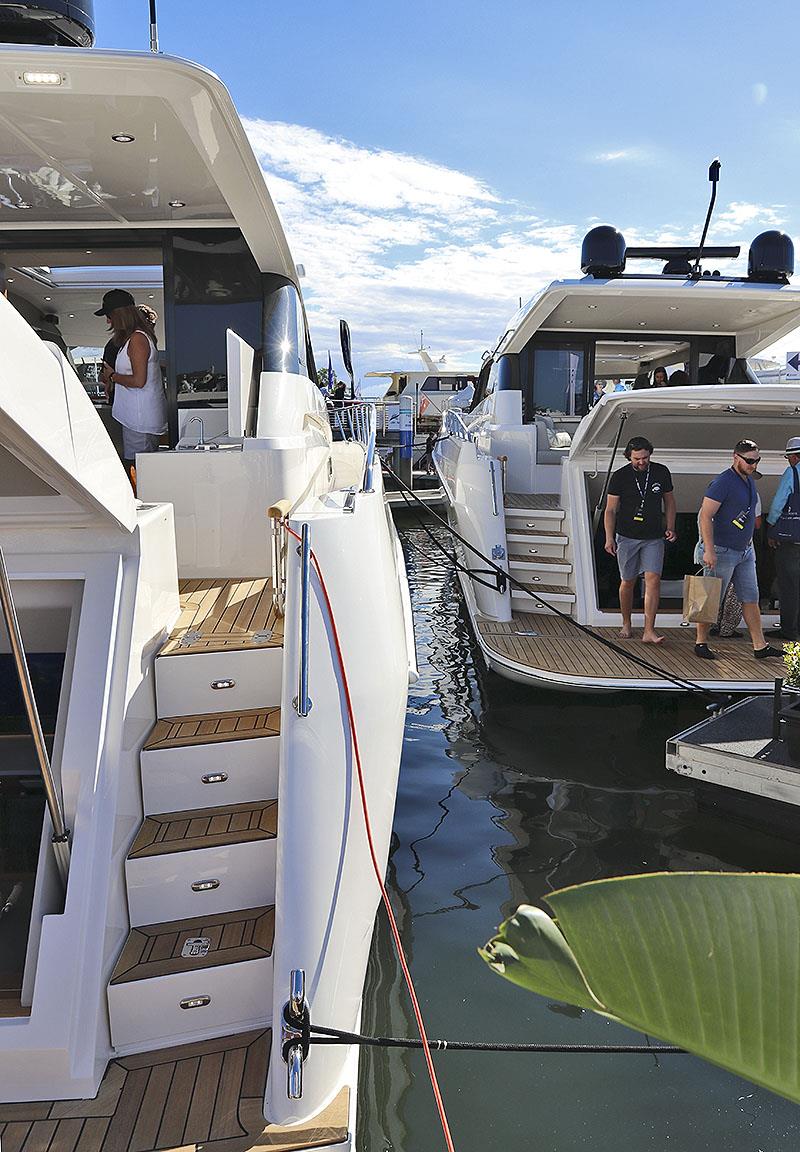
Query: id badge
x,y
638,519
738,523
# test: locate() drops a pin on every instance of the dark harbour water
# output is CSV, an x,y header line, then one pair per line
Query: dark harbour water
x,y
507,793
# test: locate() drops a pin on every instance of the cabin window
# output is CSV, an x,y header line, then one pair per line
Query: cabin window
x,y
217,285
284,343
558,385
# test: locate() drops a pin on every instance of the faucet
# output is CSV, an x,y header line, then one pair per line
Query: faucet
x,y
202,439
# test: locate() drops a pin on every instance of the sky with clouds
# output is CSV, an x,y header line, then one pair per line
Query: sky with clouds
x,y
436,161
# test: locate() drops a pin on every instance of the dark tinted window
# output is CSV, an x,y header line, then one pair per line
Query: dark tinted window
x,y
558,380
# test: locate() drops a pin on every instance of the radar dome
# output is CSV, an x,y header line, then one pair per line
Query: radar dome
x,y
603,252
67,23
771,258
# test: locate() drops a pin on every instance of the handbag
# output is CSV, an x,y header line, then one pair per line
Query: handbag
x,y
786,529
701,595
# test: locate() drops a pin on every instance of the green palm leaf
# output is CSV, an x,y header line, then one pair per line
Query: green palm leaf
x,y
708,961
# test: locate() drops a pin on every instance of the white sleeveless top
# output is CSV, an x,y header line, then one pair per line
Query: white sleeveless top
x,y
140,409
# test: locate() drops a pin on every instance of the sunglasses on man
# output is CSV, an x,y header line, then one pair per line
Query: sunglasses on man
x,y
748,459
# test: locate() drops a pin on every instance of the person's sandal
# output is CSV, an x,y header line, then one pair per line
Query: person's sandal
x,y
766,651
704,652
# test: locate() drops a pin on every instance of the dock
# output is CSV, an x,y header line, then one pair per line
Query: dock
x,y
737,750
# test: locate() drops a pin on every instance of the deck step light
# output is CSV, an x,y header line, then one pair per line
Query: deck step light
x,y
43,79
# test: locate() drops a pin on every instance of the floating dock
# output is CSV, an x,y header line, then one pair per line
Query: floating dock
x,y
737,750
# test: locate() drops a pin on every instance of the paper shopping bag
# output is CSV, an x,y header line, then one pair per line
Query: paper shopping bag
x,y
701,599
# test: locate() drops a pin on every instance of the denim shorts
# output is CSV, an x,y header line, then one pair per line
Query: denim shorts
x,y
739,567
637,556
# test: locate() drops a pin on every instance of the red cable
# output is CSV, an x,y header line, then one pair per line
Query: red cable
x,y
384,894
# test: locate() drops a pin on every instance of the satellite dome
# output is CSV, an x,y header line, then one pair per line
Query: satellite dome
x,y
603,252
771,258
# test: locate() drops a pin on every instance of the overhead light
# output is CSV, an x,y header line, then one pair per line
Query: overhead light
x,y
123,138
673,307
151,296
177,203
9,279
715,325
71,315
591,307
567,321
23,206
48,298
88,251
43,79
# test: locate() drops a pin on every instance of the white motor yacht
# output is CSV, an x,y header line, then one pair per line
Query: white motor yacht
x,y
199,662
525,472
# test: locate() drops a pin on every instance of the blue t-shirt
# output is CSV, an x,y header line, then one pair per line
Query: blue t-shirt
x,y
737,498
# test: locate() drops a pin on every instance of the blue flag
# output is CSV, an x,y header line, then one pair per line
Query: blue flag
x,y
331,384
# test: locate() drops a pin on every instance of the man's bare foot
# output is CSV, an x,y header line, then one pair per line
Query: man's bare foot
x,y
625,634
652,638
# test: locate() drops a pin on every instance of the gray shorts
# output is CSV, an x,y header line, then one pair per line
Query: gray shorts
x,y
133,442
637,556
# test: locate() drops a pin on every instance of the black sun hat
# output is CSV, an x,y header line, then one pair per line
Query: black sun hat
x,y
116,298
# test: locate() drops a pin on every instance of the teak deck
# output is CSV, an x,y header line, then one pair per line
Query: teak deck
x,y
559,649
527,500
209,1093
205,828
224,615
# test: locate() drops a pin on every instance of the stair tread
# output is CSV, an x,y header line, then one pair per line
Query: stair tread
x,y
220,615
540,589
526,558
227,938
196,828
511,530
539,501
214,728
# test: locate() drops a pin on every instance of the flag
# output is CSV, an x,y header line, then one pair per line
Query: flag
x,y
424,405
331,382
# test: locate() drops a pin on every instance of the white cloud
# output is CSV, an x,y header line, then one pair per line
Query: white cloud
x,y
759,93
397,244
631,155
739,213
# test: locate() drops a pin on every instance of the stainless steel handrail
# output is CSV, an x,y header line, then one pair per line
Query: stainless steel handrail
x,y
302,703
61,834
357,424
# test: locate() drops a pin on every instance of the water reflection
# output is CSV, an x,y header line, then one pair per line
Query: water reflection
x,y
505,794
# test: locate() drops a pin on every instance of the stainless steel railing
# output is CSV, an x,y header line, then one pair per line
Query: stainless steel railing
x,y
302,703
60,837
357,423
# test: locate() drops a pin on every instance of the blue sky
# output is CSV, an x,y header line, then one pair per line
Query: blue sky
x,y
433,162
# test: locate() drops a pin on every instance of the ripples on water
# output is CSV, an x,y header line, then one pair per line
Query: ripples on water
x,y
507,793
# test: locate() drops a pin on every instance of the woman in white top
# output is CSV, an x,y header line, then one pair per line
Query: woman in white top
x,y
140,405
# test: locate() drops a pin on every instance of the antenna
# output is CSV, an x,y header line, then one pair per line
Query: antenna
x,y
153,27
713,175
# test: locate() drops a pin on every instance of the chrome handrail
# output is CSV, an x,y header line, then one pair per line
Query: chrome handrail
x,y
302,703
357,424
60,838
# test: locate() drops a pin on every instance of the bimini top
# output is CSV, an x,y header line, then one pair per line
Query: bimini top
x,y
756,314
128,140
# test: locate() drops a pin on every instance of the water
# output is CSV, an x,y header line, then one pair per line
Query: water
x,y
507,793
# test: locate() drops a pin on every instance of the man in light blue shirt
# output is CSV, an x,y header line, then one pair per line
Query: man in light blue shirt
x,y
787,554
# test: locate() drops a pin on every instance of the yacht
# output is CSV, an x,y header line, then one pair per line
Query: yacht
x,y
436,387
525,471
194,735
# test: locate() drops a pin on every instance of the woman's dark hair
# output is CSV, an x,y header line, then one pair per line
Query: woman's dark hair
x,y
745,446
678,378
637,444
664,373
641,381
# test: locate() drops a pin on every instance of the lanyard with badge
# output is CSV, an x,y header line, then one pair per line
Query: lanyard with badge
x,y
740,520
638,516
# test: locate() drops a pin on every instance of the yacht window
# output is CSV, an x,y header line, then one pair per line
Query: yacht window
x,y
217,286
558,380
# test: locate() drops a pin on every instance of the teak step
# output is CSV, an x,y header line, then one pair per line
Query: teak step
x,y
190,945
538,501
225,615
202,861
224,758
530,559
214,728
191,978
198,828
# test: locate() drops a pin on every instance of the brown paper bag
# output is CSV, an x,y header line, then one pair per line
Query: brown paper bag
x,y
701,599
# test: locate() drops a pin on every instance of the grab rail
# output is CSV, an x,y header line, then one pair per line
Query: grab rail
x,y
60,838
302,703
601,502
357,424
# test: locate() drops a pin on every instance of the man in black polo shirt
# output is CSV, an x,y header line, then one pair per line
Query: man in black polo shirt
x,y
635,531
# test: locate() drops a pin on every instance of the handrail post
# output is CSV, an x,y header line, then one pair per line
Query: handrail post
x,y
302,703
60,838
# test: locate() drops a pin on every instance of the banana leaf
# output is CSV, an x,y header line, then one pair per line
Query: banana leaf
x,y
707,961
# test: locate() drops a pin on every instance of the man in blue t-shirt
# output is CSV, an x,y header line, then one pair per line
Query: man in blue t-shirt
x,y
727,521
787,555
